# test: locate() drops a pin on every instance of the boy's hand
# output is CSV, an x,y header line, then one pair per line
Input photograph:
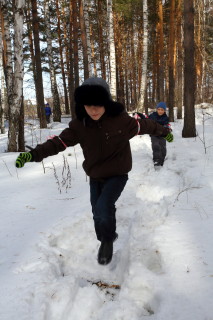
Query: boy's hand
x,y
23,158
169,137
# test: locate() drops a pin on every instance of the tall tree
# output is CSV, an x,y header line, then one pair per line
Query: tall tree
x,y
2,80
83,39
16,97
112,60
75,40
100,38
160,79
70,62
171,59
179,86
199,49
189,129
54,87
144,57
7,52
66,100
38,69
85,5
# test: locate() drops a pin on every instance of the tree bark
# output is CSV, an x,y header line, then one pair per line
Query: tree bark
x,y
70,63
84,40
21,142
93,52
7,54
112,58
189,129
144,58
2,80
179,61
66,100
100,37
87,34
54,87
171,60
15,98
161,51
119,58
199,52
75,42
38,72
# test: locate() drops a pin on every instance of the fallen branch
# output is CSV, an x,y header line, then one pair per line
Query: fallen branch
x,y
7,167
182,191
104,285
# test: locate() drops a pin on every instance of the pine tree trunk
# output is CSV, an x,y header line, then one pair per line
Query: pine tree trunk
x,y
70,63
9,78
2,95
93,51
84,40
66,100
161,51
145,57
119,58
54,87
199,52
112,58
16,95
154,90
126,78
133,67
75,41
189,129
38,73
179,61
7,54
21,142
100,37
87,34
68,45
31,46
171,60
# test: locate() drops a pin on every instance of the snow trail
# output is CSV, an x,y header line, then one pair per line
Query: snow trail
x,y
162,259
136,265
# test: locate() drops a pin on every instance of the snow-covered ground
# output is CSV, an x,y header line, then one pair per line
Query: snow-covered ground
x,y
163,258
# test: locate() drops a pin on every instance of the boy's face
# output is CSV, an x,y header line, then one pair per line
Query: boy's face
x,y
95,112
160,111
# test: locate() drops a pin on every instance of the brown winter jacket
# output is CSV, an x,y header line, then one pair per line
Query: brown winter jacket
x,y
105,143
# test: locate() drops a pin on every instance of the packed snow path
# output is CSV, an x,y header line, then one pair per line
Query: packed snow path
x,y
162,261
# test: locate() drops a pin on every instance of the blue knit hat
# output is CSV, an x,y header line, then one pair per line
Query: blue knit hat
x,y
161,105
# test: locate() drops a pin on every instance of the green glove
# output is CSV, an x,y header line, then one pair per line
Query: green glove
x,y
23,158
169,137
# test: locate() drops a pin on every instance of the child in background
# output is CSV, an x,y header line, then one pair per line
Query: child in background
x,y
48,112
103,129
158,143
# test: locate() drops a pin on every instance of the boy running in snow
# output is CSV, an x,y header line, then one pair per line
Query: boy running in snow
x,y
103,129
158,142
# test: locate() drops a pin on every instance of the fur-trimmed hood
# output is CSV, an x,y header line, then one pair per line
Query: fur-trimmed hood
x,y
95,91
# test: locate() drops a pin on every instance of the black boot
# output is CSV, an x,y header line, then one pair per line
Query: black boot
x,y
105,252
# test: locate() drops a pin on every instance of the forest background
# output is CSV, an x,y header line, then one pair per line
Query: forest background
x,y
148,51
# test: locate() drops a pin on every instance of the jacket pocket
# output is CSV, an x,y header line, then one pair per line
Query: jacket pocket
x,y
114,137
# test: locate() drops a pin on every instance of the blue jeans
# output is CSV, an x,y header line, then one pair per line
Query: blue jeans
x,y
103,195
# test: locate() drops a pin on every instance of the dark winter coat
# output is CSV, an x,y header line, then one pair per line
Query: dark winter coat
x,y
48,111
105,143
163,120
